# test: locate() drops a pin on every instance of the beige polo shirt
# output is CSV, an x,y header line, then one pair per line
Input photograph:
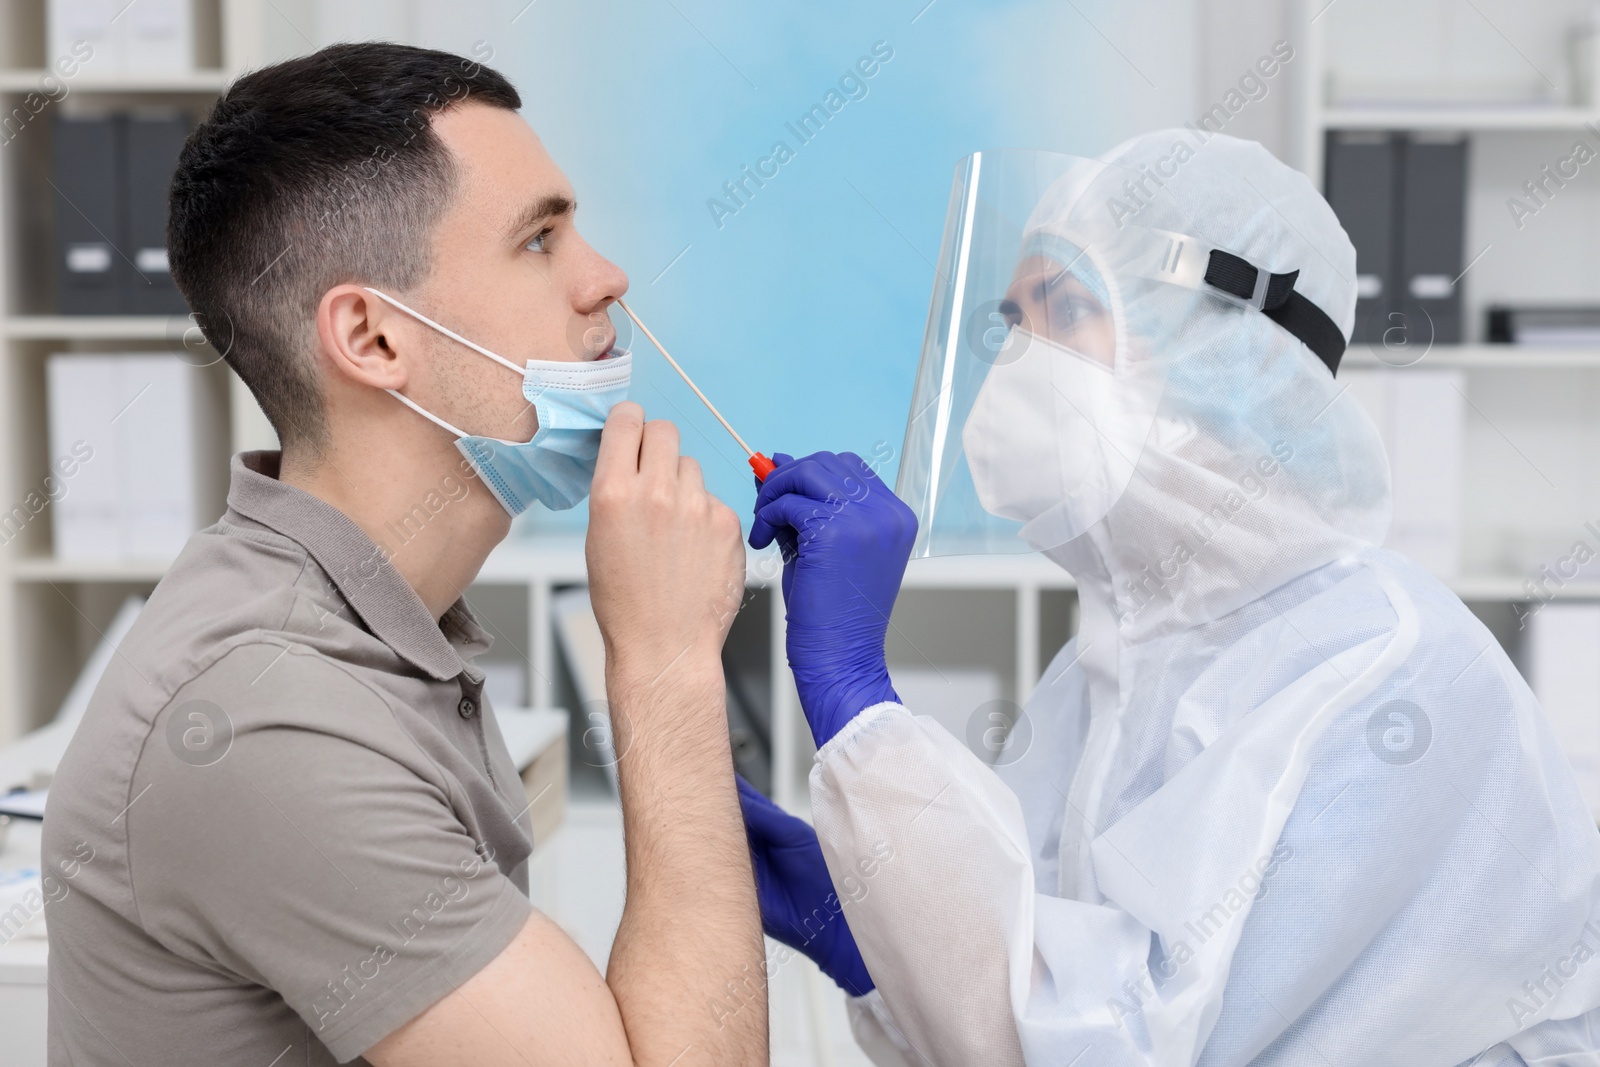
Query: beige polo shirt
x,y
291,816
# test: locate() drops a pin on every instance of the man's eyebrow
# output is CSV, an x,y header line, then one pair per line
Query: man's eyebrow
x,y
546,207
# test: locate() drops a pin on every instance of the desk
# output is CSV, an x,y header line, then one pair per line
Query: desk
x,y
23,998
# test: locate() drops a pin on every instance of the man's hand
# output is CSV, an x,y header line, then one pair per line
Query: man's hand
x,y
686,984
666,569
666,574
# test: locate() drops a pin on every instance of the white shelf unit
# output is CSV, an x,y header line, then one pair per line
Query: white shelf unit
x,y
51,611
196,81
1532,413
1511,117
1026,614
1479,357
173,329
1417,39
1029,607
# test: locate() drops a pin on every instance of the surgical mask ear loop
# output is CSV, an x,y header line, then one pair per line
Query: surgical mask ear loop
x,y
430,416
420,317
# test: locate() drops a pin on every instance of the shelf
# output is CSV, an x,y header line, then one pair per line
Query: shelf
x,y
1483,357
986,572
195,81
559,560
530,559
47,569
1510,588
1509,117
98,327
517,562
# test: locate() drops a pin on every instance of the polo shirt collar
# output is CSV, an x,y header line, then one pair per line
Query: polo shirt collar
x,y
358,568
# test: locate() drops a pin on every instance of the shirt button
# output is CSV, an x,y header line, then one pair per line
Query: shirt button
x,y
466,708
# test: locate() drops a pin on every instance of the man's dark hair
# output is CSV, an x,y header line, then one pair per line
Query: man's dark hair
x,y
308,174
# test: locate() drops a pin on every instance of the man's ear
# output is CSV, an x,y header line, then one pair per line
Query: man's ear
x,y
361,337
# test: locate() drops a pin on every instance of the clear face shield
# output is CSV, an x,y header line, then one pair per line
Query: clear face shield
x,y
1043,362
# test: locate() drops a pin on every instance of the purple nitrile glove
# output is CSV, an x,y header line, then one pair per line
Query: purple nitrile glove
x,y
845,539
798,904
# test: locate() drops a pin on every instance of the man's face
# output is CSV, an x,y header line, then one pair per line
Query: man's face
x,y
510,272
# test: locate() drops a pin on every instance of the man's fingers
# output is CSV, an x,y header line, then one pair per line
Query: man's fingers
x,y
690,475
658,453
619,442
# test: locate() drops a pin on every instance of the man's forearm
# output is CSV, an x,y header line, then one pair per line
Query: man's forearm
x,y
687,965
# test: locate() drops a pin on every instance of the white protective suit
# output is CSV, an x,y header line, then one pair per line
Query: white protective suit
x,y
1284,800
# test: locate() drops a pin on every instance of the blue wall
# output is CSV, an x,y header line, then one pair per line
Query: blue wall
x,y
801,314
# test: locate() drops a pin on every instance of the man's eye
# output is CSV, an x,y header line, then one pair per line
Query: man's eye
x,y
537,244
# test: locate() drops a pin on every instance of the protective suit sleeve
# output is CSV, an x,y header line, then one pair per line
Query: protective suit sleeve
x,y
946,923
950,922
877,1033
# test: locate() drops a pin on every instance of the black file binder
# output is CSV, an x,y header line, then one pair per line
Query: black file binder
x,y
1403,201
1433,231
153,144
87,160
1362,185
1571,326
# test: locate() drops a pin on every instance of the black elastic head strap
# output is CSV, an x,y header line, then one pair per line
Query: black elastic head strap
x,y
1274,296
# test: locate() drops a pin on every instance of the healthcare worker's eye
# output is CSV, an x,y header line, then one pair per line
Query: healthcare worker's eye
x,y
1069,311
539,239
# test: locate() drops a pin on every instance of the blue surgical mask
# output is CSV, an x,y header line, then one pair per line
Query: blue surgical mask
x,y
572,400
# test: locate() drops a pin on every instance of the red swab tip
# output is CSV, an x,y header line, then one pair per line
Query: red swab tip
x,y
762,466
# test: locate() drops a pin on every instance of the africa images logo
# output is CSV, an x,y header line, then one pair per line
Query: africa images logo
x,y
199,732
1399,733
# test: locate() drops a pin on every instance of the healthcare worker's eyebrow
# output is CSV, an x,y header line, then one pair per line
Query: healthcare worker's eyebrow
x,y
546,207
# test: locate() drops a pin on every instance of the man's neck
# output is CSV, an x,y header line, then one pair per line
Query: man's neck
x,y
434,519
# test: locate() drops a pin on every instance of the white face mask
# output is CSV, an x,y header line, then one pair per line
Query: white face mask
x,y
1053,438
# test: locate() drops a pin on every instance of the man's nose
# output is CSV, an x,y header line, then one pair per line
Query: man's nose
x,y
602,284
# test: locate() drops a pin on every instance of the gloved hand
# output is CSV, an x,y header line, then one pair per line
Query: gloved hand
x,y
798,904
845,540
